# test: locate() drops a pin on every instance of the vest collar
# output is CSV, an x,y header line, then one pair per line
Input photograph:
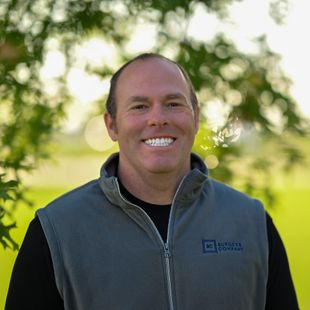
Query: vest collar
x,y
189,188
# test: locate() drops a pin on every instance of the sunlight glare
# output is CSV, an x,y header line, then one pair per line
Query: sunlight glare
x,y
97,53
54,65
143,39
84,87
216,113
201,19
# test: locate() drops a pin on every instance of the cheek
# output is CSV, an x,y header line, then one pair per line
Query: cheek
x,y
132,124
129,129
186,122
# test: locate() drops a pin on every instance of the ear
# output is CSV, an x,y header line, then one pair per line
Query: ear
x,y
111,126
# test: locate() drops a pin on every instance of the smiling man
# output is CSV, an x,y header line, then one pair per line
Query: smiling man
x,y
154,231
155,125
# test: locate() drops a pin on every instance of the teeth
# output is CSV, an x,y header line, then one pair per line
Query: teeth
x,y
159,141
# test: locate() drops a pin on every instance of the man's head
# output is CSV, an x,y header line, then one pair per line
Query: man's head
x,y
111,105
153,115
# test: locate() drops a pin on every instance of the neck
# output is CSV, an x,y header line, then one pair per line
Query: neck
x,y
151,187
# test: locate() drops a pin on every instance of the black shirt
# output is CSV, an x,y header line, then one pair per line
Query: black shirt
x,y
33,285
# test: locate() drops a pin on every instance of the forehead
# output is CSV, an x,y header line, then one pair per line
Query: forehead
x,y
150,76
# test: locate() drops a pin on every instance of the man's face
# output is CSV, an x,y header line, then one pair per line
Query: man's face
x,y
155,122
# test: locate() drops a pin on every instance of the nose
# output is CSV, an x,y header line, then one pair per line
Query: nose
x,y
157,115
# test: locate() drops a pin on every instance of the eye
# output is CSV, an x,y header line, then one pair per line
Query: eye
x,y
173,104
139,107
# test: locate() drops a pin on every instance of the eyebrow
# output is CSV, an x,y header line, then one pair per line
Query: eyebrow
x,y
146,99
175,96
138,99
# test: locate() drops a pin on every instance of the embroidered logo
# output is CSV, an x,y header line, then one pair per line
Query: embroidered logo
x,y
214,246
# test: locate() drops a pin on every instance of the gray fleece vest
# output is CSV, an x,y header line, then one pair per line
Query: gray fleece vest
x,y
108,255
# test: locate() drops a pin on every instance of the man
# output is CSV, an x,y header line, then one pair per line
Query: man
x,y
154,231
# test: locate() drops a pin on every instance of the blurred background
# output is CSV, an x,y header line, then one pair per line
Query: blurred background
x,y
249,63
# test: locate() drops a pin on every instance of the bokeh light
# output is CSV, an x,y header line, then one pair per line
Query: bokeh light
x,y
212,161
96,135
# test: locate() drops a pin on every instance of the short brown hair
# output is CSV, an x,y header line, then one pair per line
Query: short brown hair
x,y
111,100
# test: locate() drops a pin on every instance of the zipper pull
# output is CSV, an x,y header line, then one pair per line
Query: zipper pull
x,y
167,252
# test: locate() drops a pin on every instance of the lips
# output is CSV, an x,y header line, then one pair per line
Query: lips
x,y
159,141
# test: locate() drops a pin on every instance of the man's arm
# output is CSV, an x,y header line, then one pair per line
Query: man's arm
x,y
280,289
32,283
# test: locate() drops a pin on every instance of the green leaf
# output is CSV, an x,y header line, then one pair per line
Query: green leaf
x,y
5,237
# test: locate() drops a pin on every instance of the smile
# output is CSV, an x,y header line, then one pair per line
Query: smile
x,y
159,141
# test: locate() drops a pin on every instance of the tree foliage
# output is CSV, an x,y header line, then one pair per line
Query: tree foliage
x,y
251,88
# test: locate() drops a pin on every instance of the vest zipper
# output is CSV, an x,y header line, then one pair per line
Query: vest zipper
x,y
167,261
167,253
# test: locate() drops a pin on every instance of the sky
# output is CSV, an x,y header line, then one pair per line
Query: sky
x,y
247,19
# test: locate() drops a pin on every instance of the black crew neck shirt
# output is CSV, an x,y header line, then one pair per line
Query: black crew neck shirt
x,y
159,214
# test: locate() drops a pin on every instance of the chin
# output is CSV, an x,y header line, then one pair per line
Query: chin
x,y
162,167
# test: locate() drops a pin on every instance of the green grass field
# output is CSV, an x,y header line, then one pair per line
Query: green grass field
x,y
291,216
23,217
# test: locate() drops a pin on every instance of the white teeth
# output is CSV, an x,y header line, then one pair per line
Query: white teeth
x,y
159,141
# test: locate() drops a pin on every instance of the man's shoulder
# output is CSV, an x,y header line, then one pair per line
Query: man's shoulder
x,y
226,193
84,194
